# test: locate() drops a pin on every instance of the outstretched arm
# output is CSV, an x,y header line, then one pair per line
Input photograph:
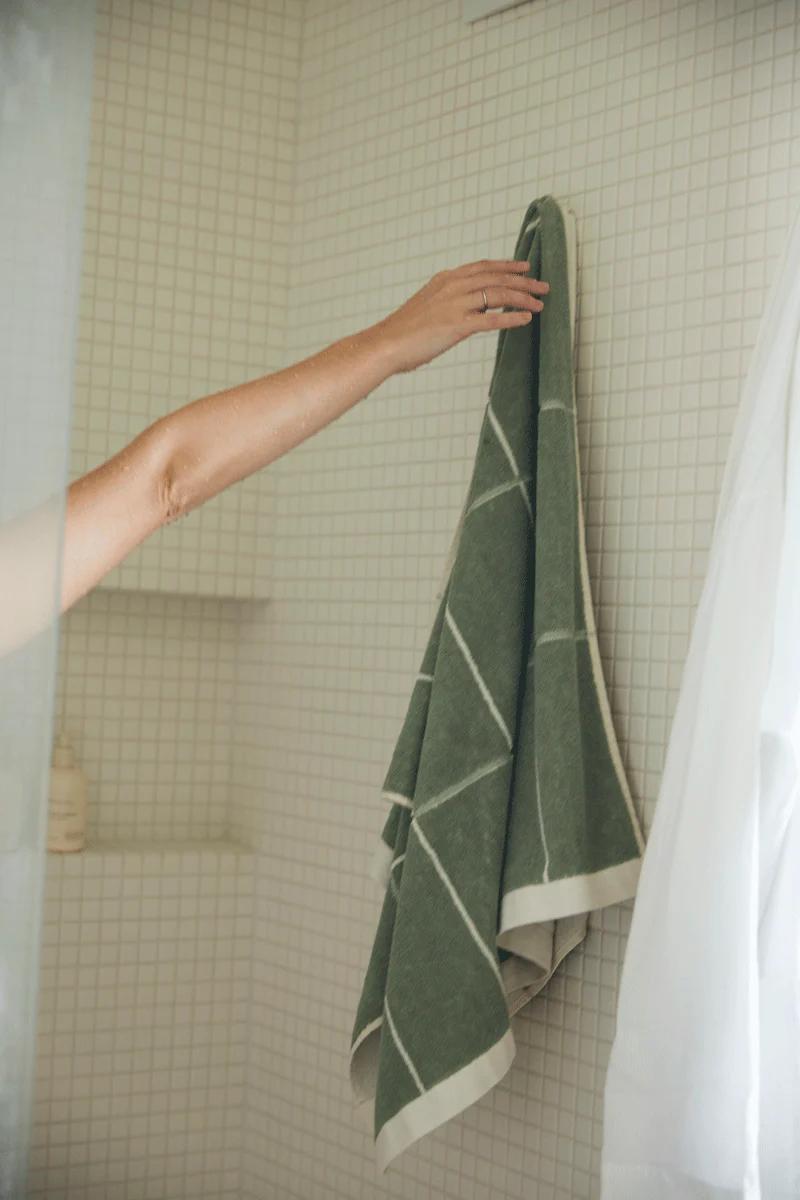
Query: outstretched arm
x,y
192,454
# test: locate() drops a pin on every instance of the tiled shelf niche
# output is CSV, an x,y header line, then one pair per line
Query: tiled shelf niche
x,y
190,584
146,964
221,550
154,856
147,691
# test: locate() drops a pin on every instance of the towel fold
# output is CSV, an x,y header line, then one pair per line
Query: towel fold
x,y
510,817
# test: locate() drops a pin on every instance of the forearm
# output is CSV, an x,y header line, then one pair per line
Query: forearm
x,y
190,455
220,439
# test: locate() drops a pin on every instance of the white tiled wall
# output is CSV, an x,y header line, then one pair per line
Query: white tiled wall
x,y
185,251
268,175
142,1024
148,944
671,130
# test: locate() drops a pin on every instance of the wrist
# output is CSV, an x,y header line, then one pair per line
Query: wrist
x,y
385,347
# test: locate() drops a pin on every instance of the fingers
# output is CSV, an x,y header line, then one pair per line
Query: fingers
x,y
478,322
509,297
504,272
487,280
489,265
518,282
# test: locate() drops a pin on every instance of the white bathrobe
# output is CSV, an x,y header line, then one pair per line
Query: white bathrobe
x,y
703,1088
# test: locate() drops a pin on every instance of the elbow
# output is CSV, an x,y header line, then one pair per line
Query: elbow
x,y
154,459
171,495
172,500
169,479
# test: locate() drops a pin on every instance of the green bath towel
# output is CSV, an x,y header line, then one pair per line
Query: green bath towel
x,y
510,818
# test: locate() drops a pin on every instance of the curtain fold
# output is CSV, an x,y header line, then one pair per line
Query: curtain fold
x,y
703,1087
46,57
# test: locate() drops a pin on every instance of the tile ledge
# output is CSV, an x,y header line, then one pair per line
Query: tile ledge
x,y
156,846
183,593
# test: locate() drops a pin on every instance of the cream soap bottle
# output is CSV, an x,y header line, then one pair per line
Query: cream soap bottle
x,y
66,822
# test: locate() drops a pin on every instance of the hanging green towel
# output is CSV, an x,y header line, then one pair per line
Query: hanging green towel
x,y
511,818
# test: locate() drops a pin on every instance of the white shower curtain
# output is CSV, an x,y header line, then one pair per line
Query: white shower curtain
x,y
46,52
703,1087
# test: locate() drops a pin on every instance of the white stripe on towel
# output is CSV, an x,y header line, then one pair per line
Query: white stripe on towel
x,y
473,666
557,635
509,453
396,798
546,876
394,884
500,490
560,635
462,785
457,901
412,1070
365,1032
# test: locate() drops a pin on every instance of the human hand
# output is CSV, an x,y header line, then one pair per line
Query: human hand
x,y
449,308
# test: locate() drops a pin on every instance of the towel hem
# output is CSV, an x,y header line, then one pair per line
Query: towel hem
x,y
566,897
444,1100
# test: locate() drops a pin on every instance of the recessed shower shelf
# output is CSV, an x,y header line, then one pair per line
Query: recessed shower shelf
x,y
160,850
227,563
181,593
